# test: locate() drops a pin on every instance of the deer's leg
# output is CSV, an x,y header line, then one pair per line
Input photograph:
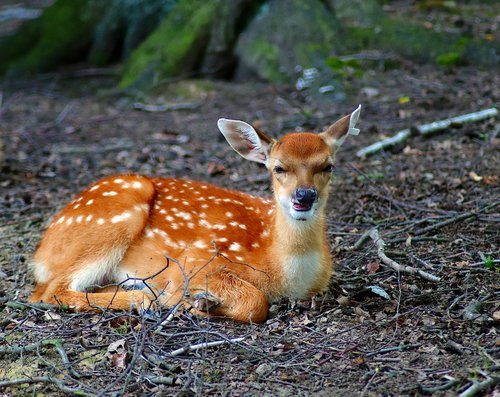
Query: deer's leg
x,y
112,297
225,294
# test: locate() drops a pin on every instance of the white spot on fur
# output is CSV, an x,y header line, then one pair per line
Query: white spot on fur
x,y
234,247
265,233
101,221
190,225
239,258
120,218
219,226
223,240
137,185
60,220
95,187
89,202
79,219
204,206
184,215
76,206
89,217
169,218
200,244
255,245
229,214
118,180
69,221
110,193
204,223
141,207
162,211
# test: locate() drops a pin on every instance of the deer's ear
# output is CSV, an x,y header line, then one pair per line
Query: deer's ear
x,y
337,133
246,140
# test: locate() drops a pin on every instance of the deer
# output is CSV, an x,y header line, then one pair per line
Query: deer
x,y
134,242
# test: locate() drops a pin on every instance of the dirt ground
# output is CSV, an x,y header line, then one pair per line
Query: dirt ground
x,y
377,332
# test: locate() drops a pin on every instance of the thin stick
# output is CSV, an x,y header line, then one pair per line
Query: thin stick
x,y
478,387
202,346
375,236
427,129
458,218
43,379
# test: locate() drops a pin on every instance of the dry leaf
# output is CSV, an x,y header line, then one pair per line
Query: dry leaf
x,y
372,267
475,177
51,316
117,351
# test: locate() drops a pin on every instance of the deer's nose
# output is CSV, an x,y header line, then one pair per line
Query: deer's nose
x,y
305,196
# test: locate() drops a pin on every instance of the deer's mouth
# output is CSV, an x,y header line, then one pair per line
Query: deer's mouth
x,y
302,206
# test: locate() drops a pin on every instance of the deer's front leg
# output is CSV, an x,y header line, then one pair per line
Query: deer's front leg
x,y
223,293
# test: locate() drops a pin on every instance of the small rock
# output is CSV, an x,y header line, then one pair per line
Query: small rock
x,y
263,369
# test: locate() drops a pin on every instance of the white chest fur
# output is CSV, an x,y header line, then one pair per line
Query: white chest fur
x,y
300,273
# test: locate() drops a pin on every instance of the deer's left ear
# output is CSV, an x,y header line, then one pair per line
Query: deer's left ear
x,y
337,133
249,142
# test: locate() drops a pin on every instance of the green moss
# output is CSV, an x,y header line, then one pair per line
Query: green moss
x,y
62,33
267,55
174,47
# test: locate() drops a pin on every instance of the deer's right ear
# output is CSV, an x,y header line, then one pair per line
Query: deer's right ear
x,y
246,140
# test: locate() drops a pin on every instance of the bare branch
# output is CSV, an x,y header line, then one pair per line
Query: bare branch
x,y
427,129
375,236
202,346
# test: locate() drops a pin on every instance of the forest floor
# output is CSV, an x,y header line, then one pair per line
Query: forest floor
x,y
434,201
376,331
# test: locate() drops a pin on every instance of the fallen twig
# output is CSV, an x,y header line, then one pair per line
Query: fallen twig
x,y
393,349
375,236
426,129
458,218
165,108
30,347
478,387
43,379
202,346
446,386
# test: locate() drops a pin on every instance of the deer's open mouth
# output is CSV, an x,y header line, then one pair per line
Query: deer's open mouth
x,y
301,207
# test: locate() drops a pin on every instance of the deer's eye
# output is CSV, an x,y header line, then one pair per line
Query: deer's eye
x,y
279,170
328,168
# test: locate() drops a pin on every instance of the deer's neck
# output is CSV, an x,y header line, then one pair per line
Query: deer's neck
x,y
300,252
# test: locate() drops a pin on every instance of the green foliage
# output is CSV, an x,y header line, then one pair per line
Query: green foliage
x,y
449,58
61,33
489,263
345,67
371,176
174,47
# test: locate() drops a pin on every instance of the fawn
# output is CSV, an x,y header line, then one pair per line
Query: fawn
x,y
130,241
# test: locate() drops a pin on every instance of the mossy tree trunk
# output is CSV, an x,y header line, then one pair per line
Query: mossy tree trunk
x,y
273,40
